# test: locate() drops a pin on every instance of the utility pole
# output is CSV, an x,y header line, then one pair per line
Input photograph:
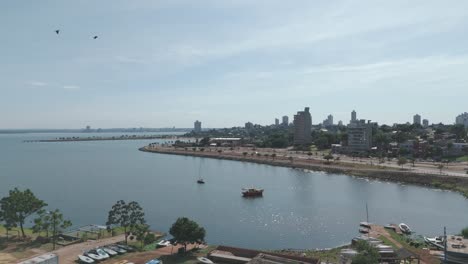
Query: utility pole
x,y
54,226
367,213
445,244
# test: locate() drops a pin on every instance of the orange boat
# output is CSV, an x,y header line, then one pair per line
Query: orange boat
x,y
252,192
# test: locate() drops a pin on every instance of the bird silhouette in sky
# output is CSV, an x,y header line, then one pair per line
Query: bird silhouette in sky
x,y
95,37
57,31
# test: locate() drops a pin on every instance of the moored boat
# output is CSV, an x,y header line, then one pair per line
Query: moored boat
x,y
85,259
102,253
94,256
437,242
252,192
363,230
110,251
200,181
117,249
365,224
404,228
204,260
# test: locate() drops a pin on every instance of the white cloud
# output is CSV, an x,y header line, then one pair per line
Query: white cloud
x,y
71,87
38,83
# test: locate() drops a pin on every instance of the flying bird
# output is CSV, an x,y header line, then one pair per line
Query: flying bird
x,y
95,37
57,31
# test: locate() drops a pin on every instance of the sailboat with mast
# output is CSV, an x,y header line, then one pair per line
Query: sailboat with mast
x,y
200,179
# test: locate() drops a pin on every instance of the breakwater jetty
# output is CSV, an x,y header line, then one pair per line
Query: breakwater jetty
x,y
99,138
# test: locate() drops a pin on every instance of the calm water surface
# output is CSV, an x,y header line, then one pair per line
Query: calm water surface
x,y
299,209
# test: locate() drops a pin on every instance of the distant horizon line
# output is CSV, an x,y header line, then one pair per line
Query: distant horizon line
x,y
159,128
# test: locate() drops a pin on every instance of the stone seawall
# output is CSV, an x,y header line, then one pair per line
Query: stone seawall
x,y
455,183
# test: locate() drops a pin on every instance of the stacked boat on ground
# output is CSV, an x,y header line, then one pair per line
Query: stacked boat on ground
x,y
103,253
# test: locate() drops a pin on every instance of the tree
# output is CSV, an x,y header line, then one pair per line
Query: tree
x,y
244,154
309,154
144,235
16,207
464,232
187,231
205,141
273,156
50,221
367,254
291,159
328,157
402,161
128,216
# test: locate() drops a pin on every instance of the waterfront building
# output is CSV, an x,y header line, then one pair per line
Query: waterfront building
x,y
425,123
302,127
276,122
359,136
462,119
416,119
197,127
248,126
285,121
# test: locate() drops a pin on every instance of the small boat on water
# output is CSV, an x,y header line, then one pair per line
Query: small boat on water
x,y
200,181
404,228
85,259
204,260
252,192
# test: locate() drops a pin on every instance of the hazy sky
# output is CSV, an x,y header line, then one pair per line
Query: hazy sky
x,y
168,63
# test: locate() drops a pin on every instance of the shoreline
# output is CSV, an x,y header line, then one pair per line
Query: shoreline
x,y
445,182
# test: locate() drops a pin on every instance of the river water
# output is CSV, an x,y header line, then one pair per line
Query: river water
x,y
299,209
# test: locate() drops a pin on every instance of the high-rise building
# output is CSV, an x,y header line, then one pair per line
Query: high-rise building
x,y
328,121
248,126
462,119
302,127
340,123
276,122
425,123
353,117
416,119
359,136
197,127
285,121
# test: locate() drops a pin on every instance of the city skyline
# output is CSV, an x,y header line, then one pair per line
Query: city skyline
x,y
154,60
